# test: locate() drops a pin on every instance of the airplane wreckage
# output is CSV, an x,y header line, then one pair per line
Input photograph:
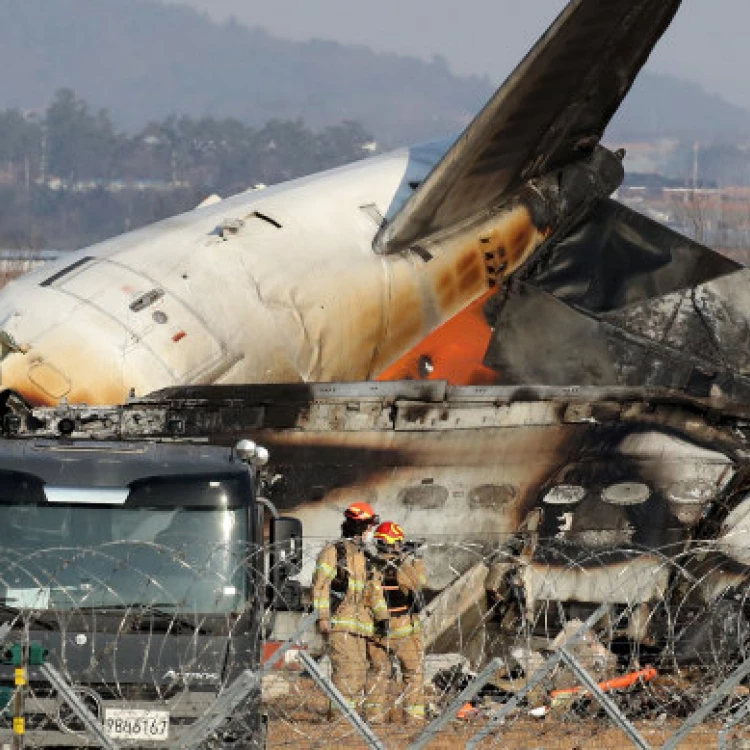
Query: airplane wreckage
x,y
592,445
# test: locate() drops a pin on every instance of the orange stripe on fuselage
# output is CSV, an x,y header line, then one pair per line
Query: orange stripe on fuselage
x,y
455,350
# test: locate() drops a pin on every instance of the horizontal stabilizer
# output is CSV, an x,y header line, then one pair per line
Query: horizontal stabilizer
x,y
623,300
618,257
551,111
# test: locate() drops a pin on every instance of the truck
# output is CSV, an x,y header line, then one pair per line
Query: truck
x,y
135,582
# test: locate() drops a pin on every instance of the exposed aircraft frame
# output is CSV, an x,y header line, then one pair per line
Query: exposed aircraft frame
x,y
537,470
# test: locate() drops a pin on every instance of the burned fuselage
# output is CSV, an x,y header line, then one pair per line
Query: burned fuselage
x,y
576,497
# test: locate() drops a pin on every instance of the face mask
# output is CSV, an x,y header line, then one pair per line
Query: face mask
x,y
369,536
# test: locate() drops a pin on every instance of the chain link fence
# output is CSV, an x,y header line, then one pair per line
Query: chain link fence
x,y
529,643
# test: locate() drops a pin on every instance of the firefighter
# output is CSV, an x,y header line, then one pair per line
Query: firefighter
x,y
402,575
350,607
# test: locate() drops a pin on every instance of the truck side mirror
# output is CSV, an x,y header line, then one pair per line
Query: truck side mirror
x,y
285,551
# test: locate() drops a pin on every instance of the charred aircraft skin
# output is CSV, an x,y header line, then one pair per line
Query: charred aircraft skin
x,y
624,301
607,494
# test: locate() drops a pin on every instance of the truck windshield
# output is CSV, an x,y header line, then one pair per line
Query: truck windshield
x,y
176,544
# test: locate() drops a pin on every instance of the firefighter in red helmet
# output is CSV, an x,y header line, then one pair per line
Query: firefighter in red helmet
x,y
402,576
349,603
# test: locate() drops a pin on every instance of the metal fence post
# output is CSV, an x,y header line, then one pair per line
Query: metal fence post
x,y
326,685
465,695
536,678
608,705
734,719
333,694
88,719
305,624
714,699
199,731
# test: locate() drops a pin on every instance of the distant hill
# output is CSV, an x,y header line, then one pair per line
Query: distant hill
x,y
142,60
659,105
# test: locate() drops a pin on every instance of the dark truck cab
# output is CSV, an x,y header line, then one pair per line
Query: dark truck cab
x,y
140,569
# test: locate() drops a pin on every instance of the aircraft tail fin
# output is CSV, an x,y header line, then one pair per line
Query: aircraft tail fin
x,y
551,111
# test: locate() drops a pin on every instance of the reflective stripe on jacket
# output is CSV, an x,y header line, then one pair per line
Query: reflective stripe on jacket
x,y
355,609
402,581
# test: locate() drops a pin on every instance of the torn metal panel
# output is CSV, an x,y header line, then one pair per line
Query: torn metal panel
x,y
537,339
633,581
723,305
619,257
624,301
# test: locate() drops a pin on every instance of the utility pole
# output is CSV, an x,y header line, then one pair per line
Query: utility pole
x,y
696,151
43,157
29,217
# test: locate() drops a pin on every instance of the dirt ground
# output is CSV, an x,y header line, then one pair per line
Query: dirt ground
x,y
525,734
301,721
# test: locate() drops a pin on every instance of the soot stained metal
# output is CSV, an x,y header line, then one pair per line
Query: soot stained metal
x,y
598,491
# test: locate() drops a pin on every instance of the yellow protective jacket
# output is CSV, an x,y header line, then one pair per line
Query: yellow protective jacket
x,y
344,593
402,580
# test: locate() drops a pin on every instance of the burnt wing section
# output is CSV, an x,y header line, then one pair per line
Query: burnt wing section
x,y
550,112
623,300
619,257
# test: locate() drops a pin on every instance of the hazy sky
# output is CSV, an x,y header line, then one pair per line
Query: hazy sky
x,y
707,43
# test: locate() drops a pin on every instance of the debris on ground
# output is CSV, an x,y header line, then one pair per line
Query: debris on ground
x,y
588,651
435,663
615,683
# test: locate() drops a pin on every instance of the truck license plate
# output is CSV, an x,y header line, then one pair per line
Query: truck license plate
x,y
134,724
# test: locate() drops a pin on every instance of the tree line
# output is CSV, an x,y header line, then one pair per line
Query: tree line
x,y
69,177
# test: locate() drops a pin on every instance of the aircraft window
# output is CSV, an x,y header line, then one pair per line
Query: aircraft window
x,y
424,496
687,499
565,494
692,491
626,493
492,496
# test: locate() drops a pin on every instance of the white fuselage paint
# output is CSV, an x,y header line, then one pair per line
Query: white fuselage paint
x,y
308,300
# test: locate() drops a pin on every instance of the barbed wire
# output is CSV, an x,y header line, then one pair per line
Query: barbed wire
x,y
146,626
